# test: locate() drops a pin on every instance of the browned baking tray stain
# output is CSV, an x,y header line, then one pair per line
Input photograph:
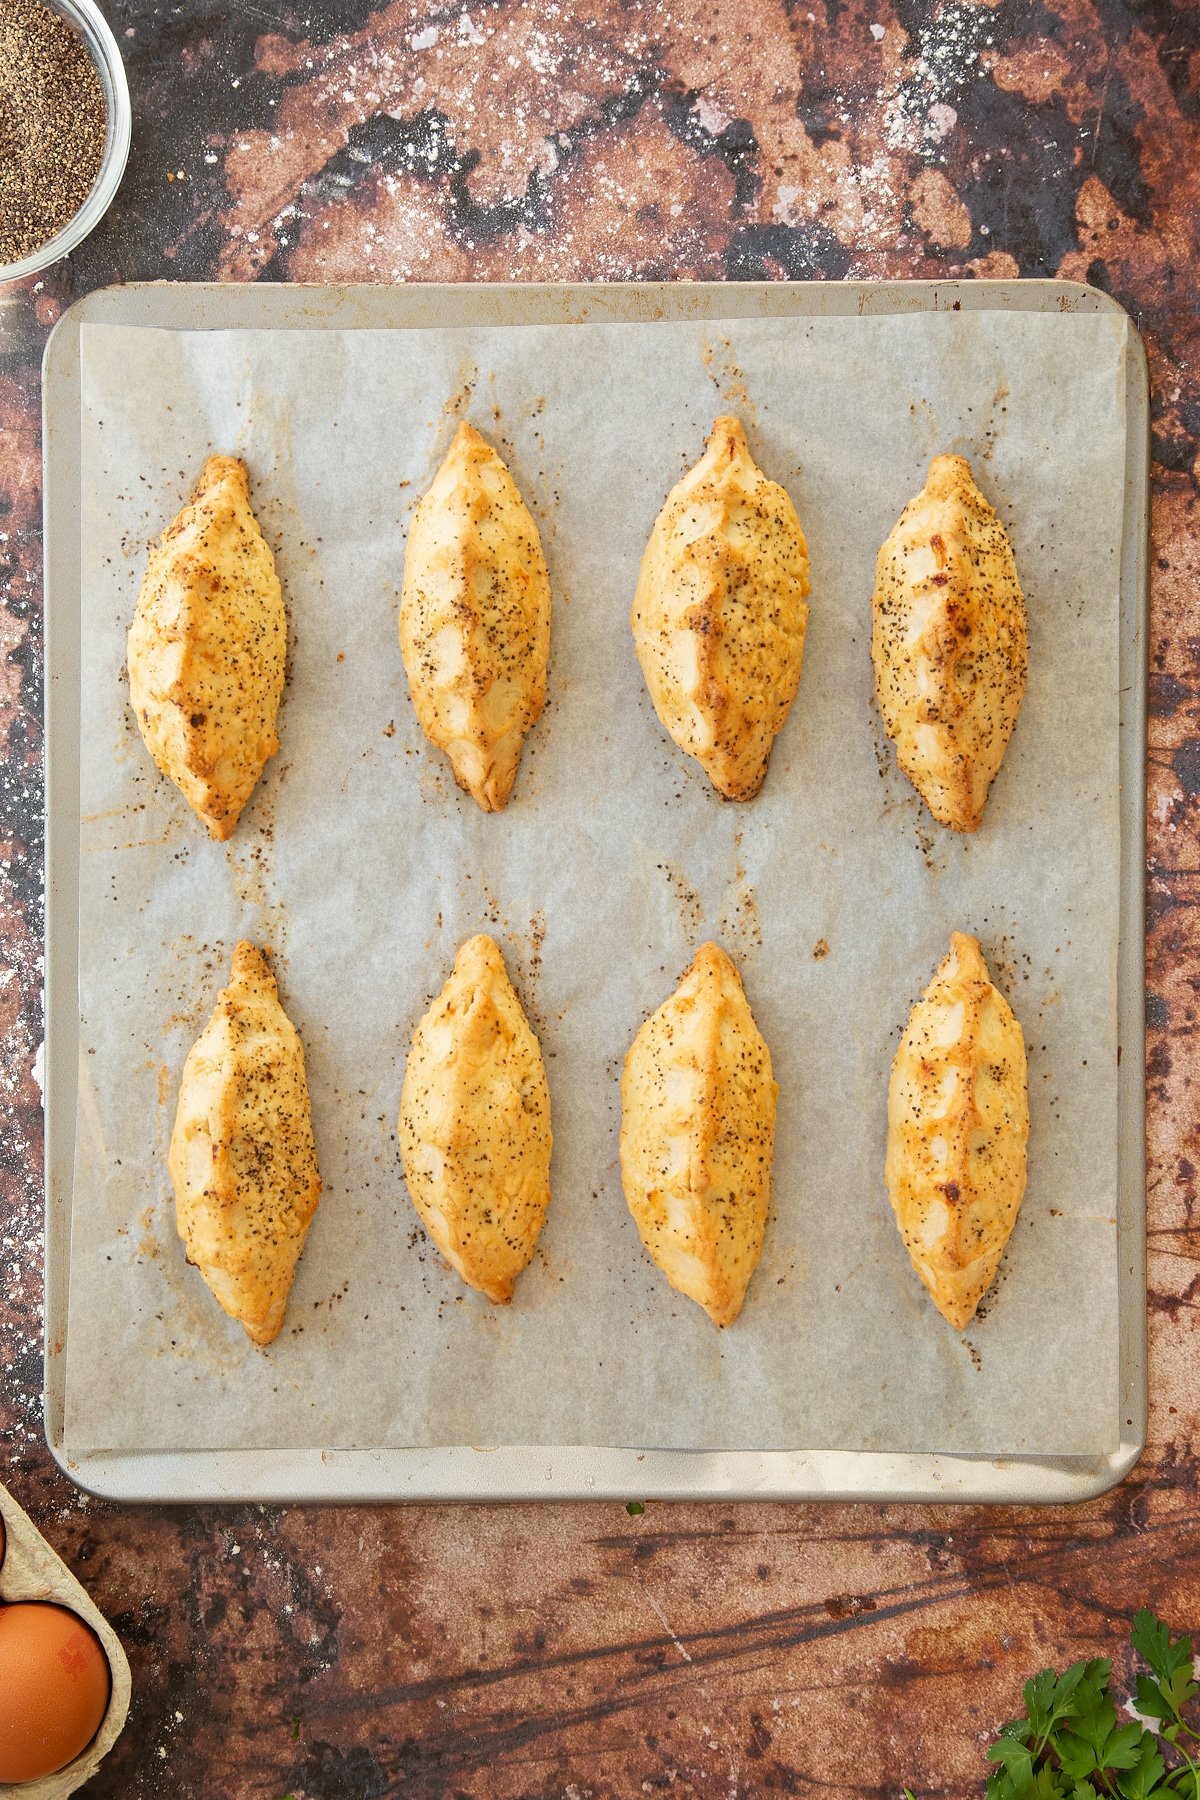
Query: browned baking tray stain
x,y
554,1651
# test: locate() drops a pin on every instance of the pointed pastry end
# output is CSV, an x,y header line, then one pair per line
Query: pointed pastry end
x,y
968,955
480,950
957,1313
220,830
964,820
953,804
467,438
728,434
250,967
735,787
947,473
223,468
710,959
488,785
500,1293
262,1335
724,1315
493,796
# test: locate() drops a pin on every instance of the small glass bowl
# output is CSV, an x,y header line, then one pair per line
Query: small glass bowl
x,y
94,29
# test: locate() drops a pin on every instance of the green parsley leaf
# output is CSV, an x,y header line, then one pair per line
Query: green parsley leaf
x,y
634,1508
1141,1781
1154,1644
1152,1703
1051,1699
1171,1661
1076,1755
1097,1742
1018,1766
1093,1688
1124,1746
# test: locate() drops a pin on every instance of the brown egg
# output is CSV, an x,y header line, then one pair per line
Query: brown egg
x,y
54,1688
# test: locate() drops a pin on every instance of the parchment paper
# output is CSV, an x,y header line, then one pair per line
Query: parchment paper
x,y
363,868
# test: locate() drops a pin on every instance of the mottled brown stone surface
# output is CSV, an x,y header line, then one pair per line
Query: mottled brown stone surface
x,y
581,1652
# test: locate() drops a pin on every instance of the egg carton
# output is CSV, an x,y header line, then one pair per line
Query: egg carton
x,y
31,1570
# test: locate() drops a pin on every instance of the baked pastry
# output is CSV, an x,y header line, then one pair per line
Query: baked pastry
x,y
958,1121
697,1134
242,1157
719,614
207,649
475,618
948,641
475,1124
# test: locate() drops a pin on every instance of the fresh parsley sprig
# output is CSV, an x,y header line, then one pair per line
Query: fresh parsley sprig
x,y
1071,1746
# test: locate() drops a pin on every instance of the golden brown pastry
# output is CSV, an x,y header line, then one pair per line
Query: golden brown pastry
x,y
958,1121
948,641
697,1135
475,618
719,615
475,1124
242,1158
207,649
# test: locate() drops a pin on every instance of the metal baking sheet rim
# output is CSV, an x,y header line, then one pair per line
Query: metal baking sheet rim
x,y
579,1472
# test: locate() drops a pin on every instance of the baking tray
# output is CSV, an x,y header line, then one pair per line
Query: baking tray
x,y
572,1472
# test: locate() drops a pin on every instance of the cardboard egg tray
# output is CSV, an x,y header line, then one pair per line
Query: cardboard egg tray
x,y
31,1570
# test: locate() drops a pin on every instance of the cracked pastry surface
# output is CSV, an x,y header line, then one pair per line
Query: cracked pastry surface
x,y
958,1122
475,618
720,612
697,1136
207,649
475,1135
242,1158
949,643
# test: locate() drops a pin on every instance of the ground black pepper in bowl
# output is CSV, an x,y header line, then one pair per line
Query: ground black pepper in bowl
x,y
53,126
